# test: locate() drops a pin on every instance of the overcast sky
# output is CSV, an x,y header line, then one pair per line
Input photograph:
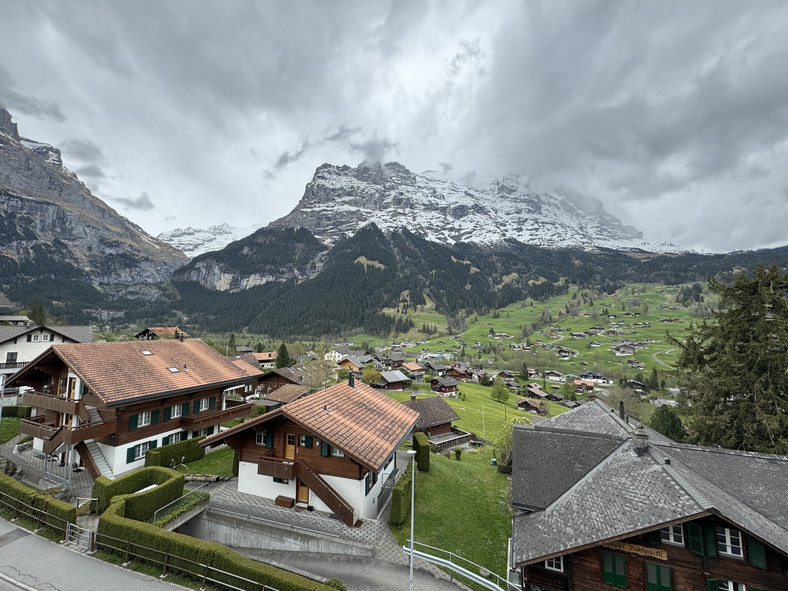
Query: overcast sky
x,y
192,113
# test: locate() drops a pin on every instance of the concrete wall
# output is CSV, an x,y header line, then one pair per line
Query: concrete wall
x,y
240,532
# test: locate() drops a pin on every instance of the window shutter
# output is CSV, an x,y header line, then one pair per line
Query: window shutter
x,y
325,449
184,435
756,553
154,417
196,406
195,434
82,387
165,441
209,430
367,483
152,444
712,585
695,539
654,538
711,540
133,422
130,455
269,439
167,413
212,403
308,441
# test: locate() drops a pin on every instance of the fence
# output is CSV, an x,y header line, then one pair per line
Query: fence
x,y
458,565
175,504
40,516
200,572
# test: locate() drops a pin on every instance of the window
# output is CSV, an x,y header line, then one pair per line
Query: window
x,y
556,564
203,404
36,337
143,419
731,586
336,452
672,535
44,337
141,449
265,438
146,353
729,542
176,411
305,441
658,577
614,569
281,480
173,369
10,357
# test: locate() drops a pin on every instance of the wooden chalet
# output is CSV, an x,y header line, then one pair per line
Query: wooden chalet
x,y
445,386
332,450
266,359
632,509
277,378
20,342
583,386
103,405
414,370
435,420
531,405
393,380
154,333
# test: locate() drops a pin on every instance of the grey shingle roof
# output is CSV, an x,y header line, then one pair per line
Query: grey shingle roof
x,y
394,376
623,494
432,411
75,333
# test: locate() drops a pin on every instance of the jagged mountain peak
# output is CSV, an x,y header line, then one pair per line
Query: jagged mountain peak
x,y
340,199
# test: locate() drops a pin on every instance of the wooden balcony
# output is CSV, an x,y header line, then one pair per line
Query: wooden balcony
x,y
268,464
61,404
207,418
54,436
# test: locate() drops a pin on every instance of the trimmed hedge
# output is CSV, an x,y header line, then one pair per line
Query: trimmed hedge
x,y
143,505
164,455
400,498
55,513
422,446
20,412
146,541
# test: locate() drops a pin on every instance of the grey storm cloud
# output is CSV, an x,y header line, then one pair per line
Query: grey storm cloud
x,y
141,203
26,104
84,150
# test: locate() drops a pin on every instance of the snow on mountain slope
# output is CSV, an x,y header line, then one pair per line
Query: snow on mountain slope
x,y
341,199
195,241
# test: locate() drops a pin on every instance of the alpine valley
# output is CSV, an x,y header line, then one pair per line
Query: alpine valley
x,y
361,240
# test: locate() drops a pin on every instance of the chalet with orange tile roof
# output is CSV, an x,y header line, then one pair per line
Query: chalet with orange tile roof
x,y
267,359
103,405
333,450
154,333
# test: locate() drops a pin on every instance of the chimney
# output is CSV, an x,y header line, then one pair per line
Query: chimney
x,y
640,440
621,409
413,396
180,338
351,380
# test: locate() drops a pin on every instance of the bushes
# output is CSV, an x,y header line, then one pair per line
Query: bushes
x,y
20,412
185,553
422,446
400,498
189,450
458,453
142,506
53,513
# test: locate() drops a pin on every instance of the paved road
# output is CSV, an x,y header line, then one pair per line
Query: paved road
x,y
655,358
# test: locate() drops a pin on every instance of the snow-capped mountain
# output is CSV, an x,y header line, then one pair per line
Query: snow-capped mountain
x,y
195,241
341,199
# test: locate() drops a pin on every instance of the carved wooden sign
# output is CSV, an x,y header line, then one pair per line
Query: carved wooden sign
x,y
642,550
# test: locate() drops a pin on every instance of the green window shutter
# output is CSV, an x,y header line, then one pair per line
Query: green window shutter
x,y
325,449
712,585
152,444
130,455
269,439
210,429
165,441
308,442
367,483
710,533
277,479
185,409
756,553
82,387
212,403
184,435
133,422
614,569
154,417
654,538
196,406
195,434
695,539
658,577
167,413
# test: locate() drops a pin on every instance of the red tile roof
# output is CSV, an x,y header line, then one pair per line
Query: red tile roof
x,y
266,356
120,372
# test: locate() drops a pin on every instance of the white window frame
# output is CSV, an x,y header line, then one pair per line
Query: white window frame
x,y
143,419
556,564
204,404
725,545
336,452
731,586
259,437
140,450
176,411
35,338
177,437
673,535
45,337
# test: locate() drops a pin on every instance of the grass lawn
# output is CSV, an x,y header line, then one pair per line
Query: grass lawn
x,y
9,428
462,507
219,462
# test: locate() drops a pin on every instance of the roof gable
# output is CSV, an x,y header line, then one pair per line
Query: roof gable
x,y
432,411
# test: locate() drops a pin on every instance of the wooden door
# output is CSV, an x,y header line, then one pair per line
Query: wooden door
x,y
302,492
290,445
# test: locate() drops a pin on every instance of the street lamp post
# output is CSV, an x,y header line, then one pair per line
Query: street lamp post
x,y
412,454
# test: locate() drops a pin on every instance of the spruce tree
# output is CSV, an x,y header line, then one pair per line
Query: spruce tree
x,y
283,357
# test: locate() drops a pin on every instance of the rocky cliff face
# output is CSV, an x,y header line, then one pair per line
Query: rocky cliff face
x,y
44,208
340,199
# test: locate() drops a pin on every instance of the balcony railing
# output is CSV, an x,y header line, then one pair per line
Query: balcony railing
x,y
15,365
211,417
46,401
55,436
268,464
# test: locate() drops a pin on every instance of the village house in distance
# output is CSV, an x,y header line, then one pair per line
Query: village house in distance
x,y
333,450
632,509
104,405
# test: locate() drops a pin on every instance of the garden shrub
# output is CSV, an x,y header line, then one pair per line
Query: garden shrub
x,y
144,505
400,498
188,449
55,513
458,452
20,412
422,446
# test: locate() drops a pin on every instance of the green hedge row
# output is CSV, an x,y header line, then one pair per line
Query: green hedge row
x,y
20,412
54,513
400,498
422,446
146,541
189,449
143,505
